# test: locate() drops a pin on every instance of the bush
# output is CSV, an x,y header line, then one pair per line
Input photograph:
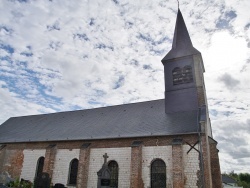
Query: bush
x,y
20,184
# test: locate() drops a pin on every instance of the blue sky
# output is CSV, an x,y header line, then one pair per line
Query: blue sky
x,y
68,55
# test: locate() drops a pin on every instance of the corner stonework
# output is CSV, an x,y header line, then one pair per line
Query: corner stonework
x,y
136,165
178,172
215,164
83,167
50,157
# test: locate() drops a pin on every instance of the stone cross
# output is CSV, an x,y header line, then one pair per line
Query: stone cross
x,y
105,156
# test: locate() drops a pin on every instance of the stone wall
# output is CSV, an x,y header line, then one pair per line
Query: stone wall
x,y
191,167
62,165
156,152
30,163
121,155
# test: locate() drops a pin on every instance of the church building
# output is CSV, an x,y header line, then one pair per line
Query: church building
x,y
153,144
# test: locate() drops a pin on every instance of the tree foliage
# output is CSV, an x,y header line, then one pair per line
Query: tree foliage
x,y
243,179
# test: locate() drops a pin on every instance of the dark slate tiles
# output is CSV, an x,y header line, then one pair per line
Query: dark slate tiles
x,y
122,121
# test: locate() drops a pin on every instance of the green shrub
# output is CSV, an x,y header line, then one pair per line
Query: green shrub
x,y
20,184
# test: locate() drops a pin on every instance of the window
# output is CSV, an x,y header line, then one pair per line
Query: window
x,y
39,166
158,174
177,75
113,167
182,76
73,168
187,74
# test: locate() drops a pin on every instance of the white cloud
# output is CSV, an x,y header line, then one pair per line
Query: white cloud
x,y
85,54
14,106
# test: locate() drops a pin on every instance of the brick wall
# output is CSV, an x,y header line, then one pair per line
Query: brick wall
x,y
215,165
49,160
83,168
2,158
177,159
206,161
15,160
30,163
136,167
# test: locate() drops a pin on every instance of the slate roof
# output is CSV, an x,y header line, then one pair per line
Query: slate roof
x,y
226,179
122,121
182,44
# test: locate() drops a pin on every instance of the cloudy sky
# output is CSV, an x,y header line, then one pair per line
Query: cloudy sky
x,y
62,55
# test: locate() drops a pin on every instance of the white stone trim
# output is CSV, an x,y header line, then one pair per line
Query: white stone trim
x,y
121,155
61,166
30,163
156,152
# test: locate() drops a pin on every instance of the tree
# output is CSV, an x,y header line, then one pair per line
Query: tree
x,y
243,179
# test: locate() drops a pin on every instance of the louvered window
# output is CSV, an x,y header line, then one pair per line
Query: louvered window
x,y
182,75
177,76
187,74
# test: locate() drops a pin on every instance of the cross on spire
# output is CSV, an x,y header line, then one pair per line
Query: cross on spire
x,y
105,156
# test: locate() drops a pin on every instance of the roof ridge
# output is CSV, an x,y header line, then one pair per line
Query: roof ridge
x,y
85,109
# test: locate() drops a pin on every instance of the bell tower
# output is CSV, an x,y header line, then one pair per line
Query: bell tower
x,y
183,71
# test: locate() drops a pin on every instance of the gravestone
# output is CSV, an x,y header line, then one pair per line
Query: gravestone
x,y
59,185
27,183
104,174
5,178
42,181
3,186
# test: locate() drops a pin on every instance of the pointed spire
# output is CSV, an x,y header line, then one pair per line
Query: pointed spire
x,y
181,35
182,44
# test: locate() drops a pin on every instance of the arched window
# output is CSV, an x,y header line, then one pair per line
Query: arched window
x,y
182,76
177,75
187,74
113,167
39,166
158,174
73,168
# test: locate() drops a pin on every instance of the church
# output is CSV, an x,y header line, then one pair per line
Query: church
x,y
153,144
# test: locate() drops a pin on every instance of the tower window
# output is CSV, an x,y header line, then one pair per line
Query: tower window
x,y
113,167
177,75
73,168
158,174
182,75
187,74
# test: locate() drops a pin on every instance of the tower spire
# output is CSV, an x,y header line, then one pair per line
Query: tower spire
x,y
182,44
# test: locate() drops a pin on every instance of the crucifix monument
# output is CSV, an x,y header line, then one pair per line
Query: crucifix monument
x,y
104,174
